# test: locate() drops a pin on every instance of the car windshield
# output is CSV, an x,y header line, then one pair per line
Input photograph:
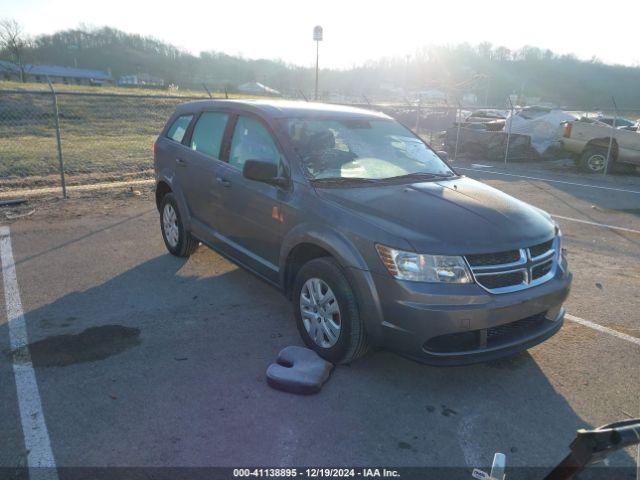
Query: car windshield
x,y
361,148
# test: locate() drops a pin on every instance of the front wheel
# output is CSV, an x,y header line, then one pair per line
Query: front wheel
x,y
178,241
594,160
326,312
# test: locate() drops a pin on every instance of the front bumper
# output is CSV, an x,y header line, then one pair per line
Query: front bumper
x,y
462,324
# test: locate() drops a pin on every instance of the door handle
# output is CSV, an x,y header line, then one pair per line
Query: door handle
x,y
180,161
224,182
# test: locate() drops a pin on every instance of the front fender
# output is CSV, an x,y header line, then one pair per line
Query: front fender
x,y
354,266
337,244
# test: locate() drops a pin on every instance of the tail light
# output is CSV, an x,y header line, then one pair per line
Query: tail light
x,y
566,130
155,148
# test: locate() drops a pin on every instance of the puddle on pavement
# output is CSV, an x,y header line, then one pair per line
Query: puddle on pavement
x,y
90,345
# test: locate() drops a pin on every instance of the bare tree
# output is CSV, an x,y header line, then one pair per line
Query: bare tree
x,y
14,43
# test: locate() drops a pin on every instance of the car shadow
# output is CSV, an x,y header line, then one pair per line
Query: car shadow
x,y
163,366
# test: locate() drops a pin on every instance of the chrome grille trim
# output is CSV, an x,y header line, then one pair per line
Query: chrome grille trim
x,y
480,269
545,256
525,264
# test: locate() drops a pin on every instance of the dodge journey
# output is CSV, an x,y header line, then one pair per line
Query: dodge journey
x,y
372,235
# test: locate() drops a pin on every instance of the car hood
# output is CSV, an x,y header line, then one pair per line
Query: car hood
x,y
454,216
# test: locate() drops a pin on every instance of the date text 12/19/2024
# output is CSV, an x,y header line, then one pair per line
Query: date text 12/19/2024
x,y
315,473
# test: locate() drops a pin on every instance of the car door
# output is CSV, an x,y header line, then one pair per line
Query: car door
x,y
252,213
197,169
170,146
628,146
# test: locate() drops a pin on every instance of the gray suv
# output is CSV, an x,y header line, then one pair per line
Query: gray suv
x,y
375,239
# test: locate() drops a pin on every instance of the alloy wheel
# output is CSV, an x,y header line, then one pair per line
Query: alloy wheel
x,y
170,225
320,312
596,162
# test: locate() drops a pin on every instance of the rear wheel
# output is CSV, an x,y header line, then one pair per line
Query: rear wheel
x,y
594,160
178,241
326,312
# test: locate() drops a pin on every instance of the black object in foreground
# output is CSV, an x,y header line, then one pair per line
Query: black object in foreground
x,y
592,446
588,448
298,370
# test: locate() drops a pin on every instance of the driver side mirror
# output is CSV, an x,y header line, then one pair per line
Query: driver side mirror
x,y
263,171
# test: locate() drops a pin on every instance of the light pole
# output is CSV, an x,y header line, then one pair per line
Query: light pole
x,y
317,36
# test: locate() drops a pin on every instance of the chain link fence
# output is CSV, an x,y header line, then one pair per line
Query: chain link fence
x,y
103,137
108,136
27,135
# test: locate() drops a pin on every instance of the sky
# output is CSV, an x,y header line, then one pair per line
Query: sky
x,y
354,31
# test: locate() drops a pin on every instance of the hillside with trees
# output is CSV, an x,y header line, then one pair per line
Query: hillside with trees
x,y
489,72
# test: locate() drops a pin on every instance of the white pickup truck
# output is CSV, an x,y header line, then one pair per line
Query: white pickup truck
x,y
590,141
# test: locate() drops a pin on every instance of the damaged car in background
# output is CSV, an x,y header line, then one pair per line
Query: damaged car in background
x,y
486,119
592,142
532,133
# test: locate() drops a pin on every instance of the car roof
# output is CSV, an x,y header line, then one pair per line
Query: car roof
x,y
282,108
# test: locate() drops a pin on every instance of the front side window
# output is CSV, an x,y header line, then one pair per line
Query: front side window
x,y
360,148
208,133
252,141
179,128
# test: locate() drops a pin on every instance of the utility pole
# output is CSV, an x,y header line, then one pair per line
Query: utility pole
x,y
74,49
317,36
486,93
613,132
56,117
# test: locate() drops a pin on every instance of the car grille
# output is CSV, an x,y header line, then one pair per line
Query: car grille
x,y
492,337
513,270
503,280
514,329
493,258
541,248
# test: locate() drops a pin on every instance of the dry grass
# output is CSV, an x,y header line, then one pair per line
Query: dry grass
x,y
59,87
101,134
112,89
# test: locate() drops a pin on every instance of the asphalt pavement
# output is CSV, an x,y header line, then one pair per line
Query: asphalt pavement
x,y
142,359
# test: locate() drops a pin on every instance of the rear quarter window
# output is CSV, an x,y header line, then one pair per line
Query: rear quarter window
x,y
179,128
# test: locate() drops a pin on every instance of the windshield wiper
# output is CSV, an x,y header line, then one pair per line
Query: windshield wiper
x,y
343,180
364,180
422,175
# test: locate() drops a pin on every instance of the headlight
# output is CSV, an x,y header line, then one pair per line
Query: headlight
x,y
417,267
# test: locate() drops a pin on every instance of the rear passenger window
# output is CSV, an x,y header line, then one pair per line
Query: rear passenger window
x,y
208,132
179,128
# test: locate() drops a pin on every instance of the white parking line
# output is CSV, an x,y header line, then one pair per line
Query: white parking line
x,y
600,328
596,224
550,180
36,437
468,436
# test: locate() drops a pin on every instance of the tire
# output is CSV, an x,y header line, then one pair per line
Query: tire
x,y
594,159
351,342
179,242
